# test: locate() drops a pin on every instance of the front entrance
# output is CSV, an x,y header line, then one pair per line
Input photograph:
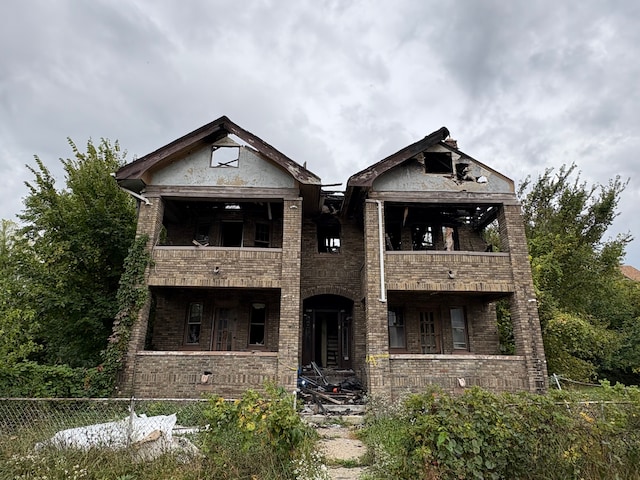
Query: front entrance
x,y
326,331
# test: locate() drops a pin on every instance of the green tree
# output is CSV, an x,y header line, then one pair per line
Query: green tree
x,y
583,306
18,326
80,237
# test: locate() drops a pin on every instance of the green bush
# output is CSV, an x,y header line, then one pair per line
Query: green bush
x,y
259,436
30,379
481,435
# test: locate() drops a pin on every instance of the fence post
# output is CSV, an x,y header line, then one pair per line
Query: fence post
x,y
132,413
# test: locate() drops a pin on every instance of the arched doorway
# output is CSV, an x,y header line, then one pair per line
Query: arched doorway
x,y
326,331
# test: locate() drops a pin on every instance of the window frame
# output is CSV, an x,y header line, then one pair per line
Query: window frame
x,y
255,307
434,320
464,329
189,323
398,313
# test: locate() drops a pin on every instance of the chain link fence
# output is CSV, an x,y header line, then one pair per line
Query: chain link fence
x,y
97,419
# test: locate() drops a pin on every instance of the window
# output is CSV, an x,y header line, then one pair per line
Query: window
x,y
194,323
459,329
263,234
257,325
225,156
429,333
329,238
396,328
422,237
438,162
224,329
231,233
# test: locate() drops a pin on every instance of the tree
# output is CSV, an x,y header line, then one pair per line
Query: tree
x,y
80,237
18,326
583,306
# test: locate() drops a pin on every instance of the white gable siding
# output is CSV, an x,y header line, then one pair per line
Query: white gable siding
x,y
195,170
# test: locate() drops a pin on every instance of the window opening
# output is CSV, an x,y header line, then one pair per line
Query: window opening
x,y
422,237
257,326
329,238
459,329
222,157
201,236
224,330
429,333
231,233
194,323
396,327
263,234
438,162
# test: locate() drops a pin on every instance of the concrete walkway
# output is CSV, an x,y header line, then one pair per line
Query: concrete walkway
x,y
343,451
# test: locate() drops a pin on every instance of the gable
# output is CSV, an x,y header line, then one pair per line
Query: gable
x,y
442,169
223,163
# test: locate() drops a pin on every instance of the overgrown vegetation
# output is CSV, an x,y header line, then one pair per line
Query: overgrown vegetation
x,y
517,437
59,274
260,436
588,311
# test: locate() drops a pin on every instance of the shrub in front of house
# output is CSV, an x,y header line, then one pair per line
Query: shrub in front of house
x,y
481,435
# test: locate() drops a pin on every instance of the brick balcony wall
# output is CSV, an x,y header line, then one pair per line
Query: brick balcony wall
x,y
216,267
179,374
448,271
413,373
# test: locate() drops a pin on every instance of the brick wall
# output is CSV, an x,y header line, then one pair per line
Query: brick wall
x,y
179,375
216,267
413,373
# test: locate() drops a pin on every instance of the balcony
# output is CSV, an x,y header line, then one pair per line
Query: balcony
x,y
182,266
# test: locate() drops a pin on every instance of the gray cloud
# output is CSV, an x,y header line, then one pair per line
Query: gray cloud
x,y
339,85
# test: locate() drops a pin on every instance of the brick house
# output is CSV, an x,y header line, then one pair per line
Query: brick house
x,y
258,270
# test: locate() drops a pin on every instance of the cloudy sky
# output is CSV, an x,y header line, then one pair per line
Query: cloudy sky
x,y
521,85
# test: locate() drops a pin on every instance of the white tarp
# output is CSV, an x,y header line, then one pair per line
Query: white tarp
x,y
115,435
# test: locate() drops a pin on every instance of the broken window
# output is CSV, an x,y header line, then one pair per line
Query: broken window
x,y
231,234
257,324
430,339
201,236
438,162
459,329
329,237
194,323
262,235
422,237
395,316
222,156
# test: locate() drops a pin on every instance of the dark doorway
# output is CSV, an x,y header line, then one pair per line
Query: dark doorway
x,y
326,331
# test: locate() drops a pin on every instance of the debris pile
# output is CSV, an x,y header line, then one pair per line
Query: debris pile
x,y
324,386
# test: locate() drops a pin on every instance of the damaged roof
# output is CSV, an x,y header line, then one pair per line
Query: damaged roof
x,y
366,177
136,174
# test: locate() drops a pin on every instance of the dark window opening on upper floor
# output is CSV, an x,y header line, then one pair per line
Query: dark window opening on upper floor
x,y
233,224
438,162
415,227
329,229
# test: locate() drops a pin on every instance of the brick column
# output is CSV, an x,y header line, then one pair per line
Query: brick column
x,y
378,376
149,223
289,333
523,305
